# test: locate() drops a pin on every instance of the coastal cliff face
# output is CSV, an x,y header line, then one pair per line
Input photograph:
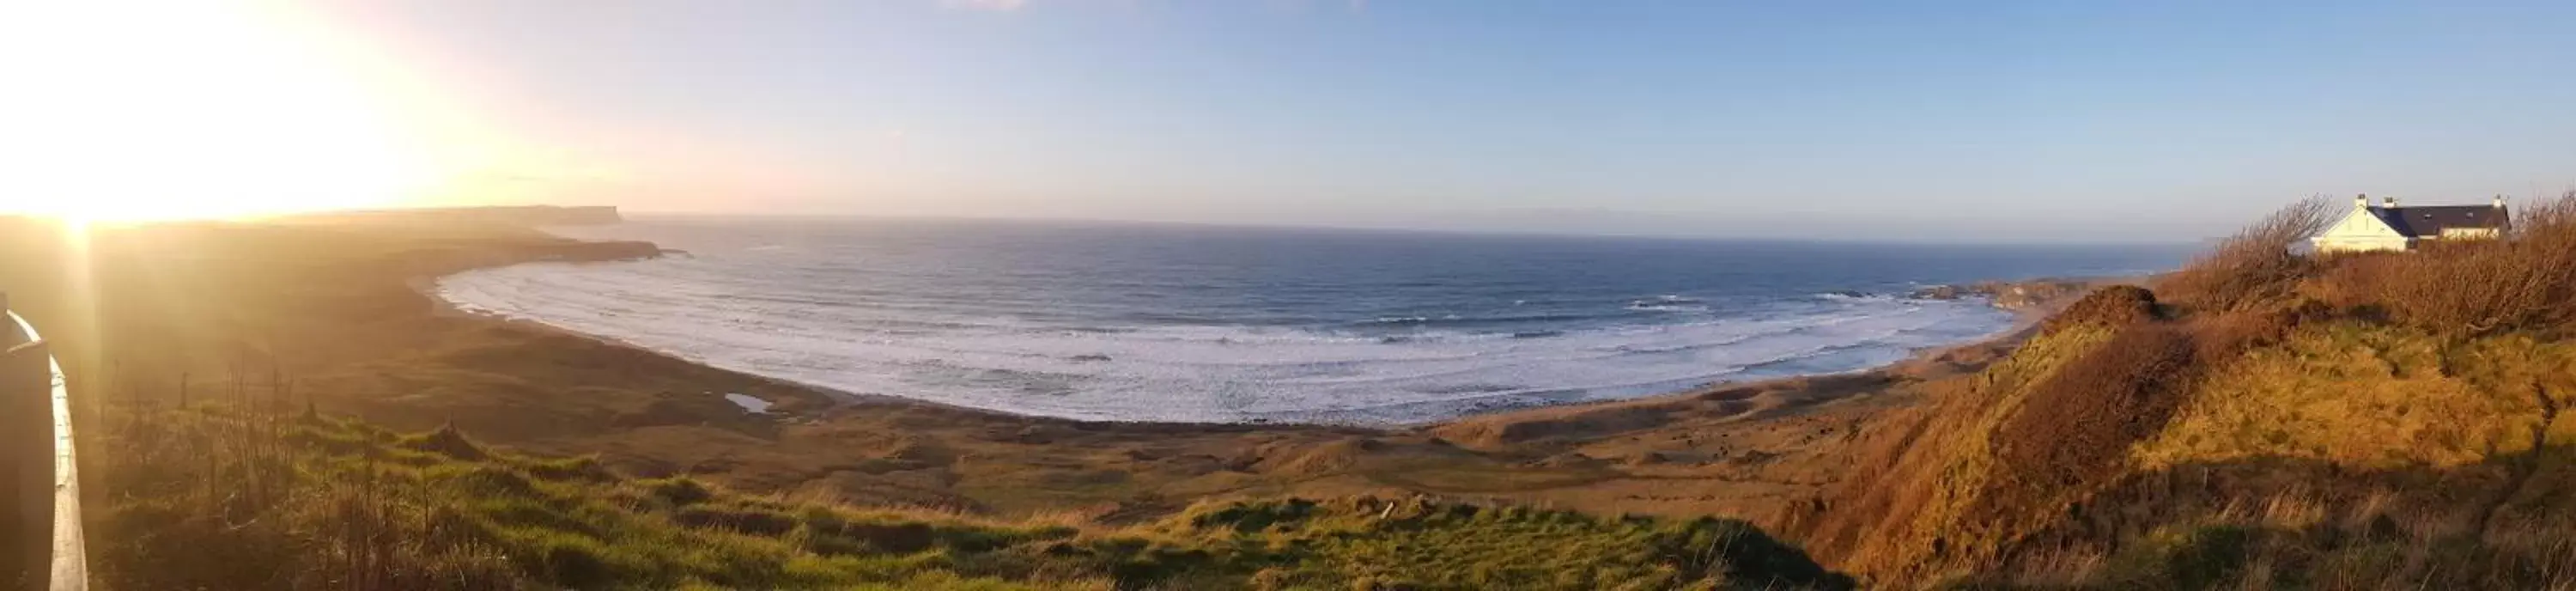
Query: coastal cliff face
x,y
559,216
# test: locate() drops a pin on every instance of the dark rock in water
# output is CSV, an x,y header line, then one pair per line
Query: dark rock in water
x,y
1847,293
1091,357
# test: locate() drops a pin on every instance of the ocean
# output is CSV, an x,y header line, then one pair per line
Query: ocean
x,y
1140,322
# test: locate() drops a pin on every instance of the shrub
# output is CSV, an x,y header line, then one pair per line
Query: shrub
x,y
679,490
2470,288
2256,265
447,441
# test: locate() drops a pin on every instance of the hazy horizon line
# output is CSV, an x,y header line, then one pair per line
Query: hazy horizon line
x,y
1497,232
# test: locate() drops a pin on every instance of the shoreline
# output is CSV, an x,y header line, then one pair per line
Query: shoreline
x,y
350,315
427,288
2024,316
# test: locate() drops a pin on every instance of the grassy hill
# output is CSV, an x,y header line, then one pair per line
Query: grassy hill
x,y
243,494
2260,419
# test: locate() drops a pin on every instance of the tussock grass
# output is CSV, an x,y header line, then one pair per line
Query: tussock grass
x,y
2367,395
2295,540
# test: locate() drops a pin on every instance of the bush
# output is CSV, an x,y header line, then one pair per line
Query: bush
x,y
2258,264
679,490
2470,288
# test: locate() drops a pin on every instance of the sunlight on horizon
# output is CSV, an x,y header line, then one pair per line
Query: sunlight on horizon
x,y
206,110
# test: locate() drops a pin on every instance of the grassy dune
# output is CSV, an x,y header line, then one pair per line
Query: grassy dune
x,y
2260,419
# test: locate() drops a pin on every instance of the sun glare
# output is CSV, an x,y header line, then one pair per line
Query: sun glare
x,y
186,109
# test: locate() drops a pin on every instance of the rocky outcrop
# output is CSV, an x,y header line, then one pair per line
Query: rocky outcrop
x,y
2012,295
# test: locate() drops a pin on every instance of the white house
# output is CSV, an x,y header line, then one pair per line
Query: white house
x,y
2389,227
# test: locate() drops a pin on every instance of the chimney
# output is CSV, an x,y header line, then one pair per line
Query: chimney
x,y
2391,202
2499,201
2361,201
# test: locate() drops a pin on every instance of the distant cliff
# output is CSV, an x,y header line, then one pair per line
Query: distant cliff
x,y
548,215
519,215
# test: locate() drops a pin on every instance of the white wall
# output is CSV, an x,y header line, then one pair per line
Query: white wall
x,y
2360,231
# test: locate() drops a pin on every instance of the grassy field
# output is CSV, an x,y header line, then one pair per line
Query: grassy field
x,y
260,496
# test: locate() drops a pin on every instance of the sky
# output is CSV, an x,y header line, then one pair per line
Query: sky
x,y
1948,121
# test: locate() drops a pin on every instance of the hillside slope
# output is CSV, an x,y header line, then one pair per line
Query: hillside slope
x,y
2262,419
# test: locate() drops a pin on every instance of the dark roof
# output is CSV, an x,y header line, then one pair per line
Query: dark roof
x,y
2430,221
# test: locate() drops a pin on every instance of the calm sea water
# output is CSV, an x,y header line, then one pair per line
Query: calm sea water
x,y
1185,323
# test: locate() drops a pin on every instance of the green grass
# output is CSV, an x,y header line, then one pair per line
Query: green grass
x,y
210,498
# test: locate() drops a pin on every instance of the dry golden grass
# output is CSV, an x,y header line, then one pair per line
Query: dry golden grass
x,y
2280,421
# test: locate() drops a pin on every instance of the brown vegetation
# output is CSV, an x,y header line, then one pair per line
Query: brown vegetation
x,y
2256,266
2471,288
2346,422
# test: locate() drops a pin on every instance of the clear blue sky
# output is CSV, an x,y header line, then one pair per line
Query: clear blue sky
x,y
2020,121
